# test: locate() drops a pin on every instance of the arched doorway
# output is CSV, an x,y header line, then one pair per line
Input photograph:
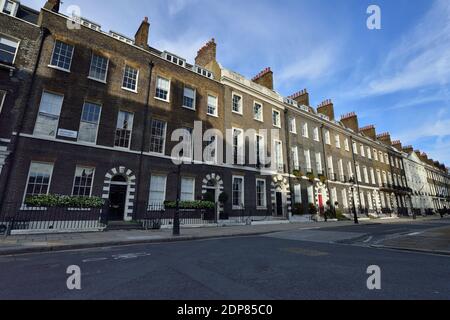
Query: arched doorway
x,y
119,189
117,198
281,197
211,189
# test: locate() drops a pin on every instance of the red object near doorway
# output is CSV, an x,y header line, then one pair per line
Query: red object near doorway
x,y
321,207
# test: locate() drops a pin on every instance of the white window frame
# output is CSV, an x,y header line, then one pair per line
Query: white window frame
x,y
168,89
337,140
240,147
131,130
262,150
53,52
319,165
279,159
107,68
241,104
59,116
28,179
216,114
362,150
316,134
295,158
150,187
264,206
164,136
137,79
242,191
262,111
327,137
308,164
98,124
305,130
297,193
293,125
3,94
369,153
275,111
194,103
375,154
13,39
193,187
346,145
75,177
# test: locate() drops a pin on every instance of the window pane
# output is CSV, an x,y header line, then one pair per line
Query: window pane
x,y
187,189
212,105
130,78
124,129
62,55
48,116
189,98
157,190
162,88
237,191
99,67
83,181
39,178
158,135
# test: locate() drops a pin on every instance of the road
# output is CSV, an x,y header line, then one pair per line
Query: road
x,y
327,263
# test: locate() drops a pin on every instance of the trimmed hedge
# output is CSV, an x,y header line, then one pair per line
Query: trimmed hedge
x,y
190,204
53,200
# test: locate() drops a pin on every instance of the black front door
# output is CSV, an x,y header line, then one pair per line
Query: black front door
x,y
117,199
279,204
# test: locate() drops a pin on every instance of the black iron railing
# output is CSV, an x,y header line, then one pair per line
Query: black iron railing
x,y
17,216
158,215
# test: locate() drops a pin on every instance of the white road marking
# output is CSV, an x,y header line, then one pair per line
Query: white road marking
x,y
128,256
94,260
414,233
368,239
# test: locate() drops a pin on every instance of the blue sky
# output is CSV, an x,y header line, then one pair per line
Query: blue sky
x,y
396,78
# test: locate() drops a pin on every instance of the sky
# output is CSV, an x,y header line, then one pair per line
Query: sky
x,y
396,78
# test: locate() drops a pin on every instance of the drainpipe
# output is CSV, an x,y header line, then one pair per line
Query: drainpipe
x,y
147,113
356,173
288,157
44,34
326,166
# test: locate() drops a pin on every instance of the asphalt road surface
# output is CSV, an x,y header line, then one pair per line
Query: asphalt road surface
x,y
303,264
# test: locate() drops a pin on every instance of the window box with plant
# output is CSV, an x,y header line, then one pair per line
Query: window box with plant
x,y
311,177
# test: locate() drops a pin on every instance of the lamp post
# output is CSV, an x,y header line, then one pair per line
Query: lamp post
x,y
176,218
355,215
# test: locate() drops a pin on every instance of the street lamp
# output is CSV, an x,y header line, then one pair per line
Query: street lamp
x,y
355,215
176,218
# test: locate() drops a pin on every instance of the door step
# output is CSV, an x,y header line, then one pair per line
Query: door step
x,y
123,225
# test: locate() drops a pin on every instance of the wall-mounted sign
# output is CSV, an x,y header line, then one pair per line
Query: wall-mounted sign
x,y
68,133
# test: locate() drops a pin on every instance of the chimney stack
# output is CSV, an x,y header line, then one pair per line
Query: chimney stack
x,y
141,37
385,138
207,54
350,120
397,145
264,78
369,131
52,5
326,108
408,149
301,97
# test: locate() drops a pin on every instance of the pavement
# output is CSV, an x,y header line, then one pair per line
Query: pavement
x,y
20,244
299,261
431,241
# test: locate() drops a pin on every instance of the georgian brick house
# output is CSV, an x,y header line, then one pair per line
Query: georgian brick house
x,y
97,111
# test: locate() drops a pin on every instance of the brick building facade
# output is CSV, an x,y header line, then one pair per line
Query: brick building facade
x,y
97,114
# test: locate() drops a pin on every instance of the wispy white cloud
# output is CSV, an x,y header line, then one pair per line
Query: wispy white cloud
x,y
312,65
421,59
176,6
